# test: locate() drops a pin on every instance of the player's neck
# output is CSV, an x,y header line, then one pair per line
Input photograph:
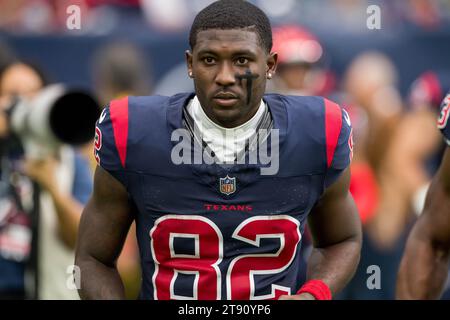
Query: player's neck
x,y
225,142
199,114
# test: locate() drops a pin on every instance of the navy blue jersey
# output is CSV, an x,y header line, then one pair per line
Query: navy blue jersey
x,y
443,122
211,231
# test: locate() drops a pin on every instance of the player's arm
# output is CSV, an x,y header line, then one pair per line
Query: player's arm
x,y
336,229
337,236
104,225
424,267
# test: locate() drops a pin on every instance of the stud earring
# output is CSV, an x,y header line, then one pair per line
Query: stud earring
x,y
190,74
269,76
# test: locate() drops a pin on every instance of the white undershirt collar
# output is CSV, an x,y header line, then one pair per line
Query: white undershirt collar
x,y
225,142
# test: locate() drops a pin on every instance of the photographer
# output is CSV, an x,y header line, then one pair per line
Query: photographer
x,y
16,189
64,181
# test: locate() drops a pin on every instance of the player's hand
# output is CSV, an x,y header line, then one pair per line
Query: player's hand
x,y
301,296
42,171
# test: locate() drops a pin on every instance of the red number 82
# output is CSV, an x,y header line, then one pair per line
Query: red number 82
x,y
208,254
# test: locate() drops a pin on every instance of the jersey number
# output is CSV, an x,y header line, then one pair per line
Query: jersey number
x,y
97,144
207,253
445,113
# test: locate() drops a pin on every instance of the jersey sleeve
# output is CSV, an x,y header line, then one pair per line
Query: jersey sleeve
x,y
111,137
338,140
443,120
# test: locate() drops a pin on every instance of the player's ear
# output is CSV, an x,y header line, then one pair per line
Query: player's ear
x,y
189,59
272,63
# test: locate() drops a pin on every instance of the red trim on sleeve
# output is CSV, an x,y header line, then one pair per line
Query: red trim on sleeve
x,y
445,113
118,111
333,125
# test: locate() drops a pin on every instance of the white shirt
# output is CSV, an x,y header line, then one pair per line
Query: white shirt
x,y
225,142
55,258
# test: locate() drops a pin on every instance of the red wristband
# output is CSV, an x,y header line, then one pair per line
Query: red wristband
x,y
317,288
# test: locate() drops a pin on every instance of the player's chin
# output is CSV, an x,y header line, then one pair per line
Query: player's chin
x,y
227,115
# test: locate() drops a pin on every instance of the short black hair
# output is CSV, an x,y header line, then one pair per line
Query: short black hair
x,y
233,14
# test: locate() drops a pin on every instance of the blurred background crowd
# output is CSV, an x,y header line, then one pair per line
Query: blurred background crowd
x,y
391,81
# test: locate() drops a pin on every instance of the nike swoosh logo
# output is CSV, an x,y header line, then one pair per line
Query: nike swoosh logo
x,y
347,118
102,116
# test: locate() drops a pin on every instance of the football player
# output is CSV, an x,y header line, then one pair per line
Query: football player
x,y
424,267
222,227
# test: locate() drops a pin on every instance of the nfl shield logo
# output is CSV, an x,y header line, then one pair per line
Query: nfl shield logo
x,y
227,185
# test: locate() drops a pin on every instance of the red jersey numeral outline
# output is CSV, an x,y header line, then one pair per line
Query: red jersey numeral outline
x,y
350,144
445,113
208,253
251,231
97,144
203,264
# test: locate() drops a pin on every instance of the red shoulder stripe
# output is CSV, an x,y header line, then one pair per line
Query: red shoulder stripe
x,y
333,125
118,111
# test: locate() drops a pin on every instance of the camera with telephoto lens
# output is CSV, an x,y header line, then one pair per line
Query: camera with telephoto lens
x,y
55,116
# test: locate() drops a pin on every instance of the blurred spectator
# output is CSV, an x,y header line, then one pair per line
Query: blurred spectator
x,y
376,107
370,83
363,183
15,223
16,193
417,146
404,173
120,69
21,79
65,184
15,226
299,53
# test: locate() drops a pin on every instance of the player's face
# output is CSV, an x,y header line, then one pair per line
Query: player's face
x,y
218,57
